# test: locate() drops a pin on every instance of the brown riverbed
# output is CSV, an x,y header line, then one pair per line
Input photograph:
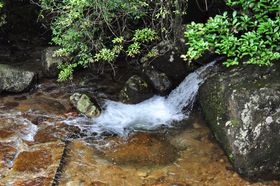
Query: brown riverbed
x,y
64,155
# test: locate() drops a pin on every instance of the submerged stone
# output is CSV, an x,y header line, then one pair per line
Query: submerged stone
x,y
142,149
242,107
203,163
84,105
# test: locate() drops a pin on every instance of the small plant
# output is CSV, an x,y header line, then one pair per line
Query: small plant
x,y
250,33
145,35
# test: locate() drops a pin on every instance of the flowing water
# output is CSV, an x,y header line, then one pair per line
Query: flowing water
x,y
44,141
151,114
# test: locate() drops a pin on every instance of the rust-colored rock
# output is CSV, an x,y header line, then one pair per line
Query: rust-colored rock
x,y
55,132
41,104
6,133
37,165
33,161
40,181
7,153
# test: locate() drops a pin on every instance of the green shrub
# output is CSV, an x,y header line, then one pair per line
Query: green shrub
x,y
89,31
250,33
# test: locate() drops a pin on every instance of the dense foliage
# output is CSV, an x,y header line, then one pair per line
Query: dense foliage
x,y
89,31
251,33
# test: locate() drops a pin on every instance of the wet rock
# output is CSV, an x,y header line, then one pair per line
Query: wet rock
x,y
169,62
41,104
59,131
160,82
6,133
142,149
242,107
15,80
32,161
84,105
17,130
39,181
81,166
7,154
135,90
36,165
50,62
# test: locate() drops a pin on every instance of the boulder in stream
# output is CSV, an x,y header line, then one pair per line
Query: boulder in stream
x,y
242,107
15,80
169,61
135,90
84,105
158,80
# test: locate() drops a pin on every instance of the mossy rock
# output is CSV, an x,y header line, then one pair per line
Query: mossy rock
x,y
84,105
14,79
135,90
242,107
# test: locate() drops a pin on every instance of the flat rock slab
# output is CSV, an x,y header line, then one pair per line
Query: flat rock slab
x,y
36,165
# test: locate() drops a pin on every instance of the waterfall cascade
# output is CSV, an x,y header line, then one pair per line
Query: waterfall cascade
x,y
153,113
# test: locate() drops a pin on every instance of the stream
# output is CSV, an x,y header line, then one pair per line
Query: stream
x,y
44,141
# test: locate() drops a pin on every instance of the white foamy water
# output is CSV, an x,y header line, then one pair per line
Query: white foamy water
x,y
151,114
27,129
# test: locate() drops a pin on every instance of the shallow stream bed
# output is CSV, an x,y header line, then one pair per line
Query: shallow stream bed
x,y
38,148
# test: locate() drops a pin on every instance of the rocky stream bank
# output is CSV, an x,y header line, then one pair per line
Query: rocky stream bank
x,y
38,148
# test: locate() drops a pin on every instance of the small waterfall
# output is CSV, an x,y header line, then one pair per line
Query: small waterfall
x,y
184,95
153,113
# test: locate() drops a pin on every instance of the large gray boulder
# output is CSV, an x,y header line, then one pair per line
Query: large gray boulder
x,y
13,79
50,62
242,107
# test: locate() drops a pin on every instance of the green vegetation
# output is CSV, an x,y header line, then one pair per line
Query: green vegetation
x,y
89,31
251,33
